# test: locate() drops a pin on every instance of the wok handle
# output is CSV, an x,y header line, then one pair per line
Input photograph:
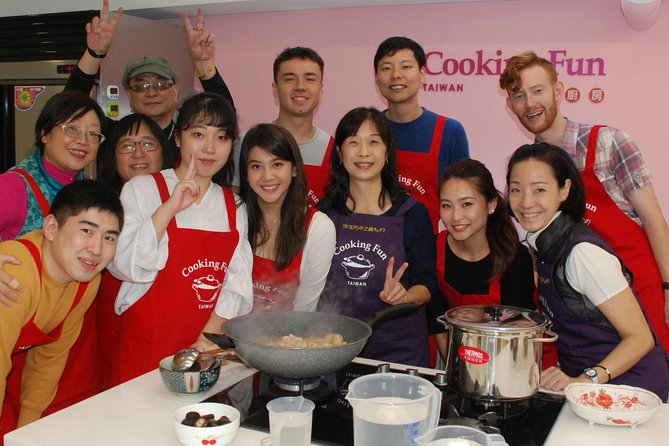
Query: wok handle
x,y
390,313
553,337
221,340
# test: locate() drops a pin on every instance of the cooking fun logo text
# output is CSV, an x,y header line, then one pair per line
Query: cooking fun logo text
x,y
206,263
481,63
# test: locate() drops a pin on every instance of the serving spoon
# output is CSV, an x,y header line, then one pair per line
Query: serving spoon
x,y
184,359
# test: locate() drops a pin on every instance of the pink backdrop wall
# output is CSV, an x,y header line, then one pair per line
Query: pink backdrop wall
x,y
635,65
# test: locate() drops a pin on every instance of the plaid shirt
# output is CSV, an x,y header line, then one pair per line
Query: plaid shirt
x,y
619,164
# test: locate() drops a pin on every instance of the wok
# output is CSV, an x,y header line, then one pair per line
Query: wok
x,y
252,334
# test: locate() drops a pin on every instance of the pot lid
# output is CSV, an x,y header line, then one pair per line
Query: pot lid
x,y
503,317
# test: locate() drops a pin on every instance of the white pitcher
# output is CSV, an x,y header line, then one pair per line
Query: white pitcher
x,y
392,409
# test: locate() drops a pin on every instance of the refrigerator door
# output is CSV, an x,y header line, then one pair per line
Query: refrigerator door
x,y
24,89
25,115
136,37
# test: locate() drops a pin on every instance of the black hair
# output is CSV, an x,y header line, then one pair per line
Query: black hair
x,y
392,45
297,52
129,125
500,231
65,107
213,110
82,195
292,235
563,169
338,187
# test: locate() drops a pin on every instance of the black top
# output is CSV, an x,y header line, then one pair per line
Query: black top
x,y
418,243
516,286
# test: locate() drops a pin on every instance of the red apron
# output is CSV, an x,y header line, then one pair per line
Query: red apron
x,y
109,329
494,296
172,313
318,176
275,290
39,196
419,173
628,240
31,336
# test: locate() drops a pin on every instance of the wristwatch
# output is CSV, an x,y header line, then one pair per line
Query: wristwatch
x,y
591,374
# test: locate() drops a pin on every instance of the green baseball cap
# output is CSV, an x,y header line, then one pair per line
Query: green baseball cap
x,y
148,64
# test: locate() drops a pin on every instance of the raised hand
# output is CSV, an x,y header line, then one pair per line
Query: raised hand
x,y
187,191
200,45
9,286
100,31
393,292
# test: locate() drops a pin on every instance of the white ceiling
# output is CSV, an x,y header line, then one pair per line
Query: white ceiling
x,y
164,9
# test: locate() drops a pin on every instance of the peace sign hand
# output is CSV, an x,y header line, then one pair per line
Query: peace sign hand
x,y
393,292
187,191
200,42
100,31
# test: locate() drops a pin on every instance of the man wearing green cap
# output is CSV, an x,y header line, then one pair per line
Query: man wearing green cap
x,y
150,81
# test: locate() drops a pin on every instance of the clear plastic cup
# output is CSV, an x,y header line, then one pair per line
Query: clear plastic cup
x,y
290,421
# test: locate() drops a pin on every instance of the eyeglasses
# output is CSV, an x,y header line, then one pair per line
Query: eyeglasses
x,y
160,85
74,132
147,145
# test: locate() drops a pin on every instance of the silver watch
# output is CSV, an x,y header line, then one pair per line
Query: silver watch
x,y
591,374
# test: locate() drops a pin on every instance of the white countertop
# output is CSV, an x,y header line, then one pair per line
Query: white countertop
x,y
138,412
570,429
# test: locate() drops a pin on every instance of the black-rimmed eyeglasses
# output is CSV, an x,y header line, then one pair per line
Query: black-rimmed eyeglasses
x,y
147,145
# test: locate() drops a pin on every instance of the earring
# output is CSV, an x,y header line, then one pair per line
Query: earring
x,y
491,211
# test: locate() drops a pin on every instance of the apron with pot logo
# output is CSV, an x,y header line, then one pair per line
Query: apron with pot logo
x,y
628,240
365,244
582,343
275,290
416,166
173,311
31,336
318,176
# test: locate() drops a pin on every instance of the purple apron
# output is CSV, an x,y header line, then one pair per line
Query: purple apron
x,y
365,244
583,344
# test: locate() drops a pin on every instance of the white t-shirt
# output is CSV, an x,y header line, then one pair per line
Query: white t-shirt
x,y
590,270
140,256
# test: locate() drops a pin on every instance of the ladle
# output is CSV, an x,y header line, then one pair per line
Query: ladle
x,y
184,359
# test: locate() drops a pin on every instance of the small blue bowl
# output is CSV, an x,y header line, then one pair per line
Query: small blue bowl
x,y
188,382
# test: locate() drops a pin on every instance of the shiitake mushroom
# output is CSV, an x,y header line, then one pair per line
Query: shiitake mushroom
x,y
209,420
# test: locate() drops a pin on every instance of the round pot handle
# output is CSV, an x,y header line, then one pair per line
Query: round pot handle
x,y
442,321
553,337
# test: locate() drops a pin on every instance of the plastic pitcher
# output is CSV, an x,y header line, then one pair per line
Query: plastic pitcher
x,y
459,436
290,421
392,409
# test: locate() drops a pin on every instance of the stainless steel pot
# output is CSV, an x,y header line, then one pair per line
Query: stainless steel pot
x,y
494,352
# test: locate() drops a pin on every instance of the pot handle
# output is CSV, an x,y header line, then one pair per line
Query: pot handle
x,y
442,320
553,337
221,340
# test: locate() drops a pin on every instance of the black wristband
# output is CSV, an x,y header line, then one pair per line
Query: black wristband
x,y
665,285
94,54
